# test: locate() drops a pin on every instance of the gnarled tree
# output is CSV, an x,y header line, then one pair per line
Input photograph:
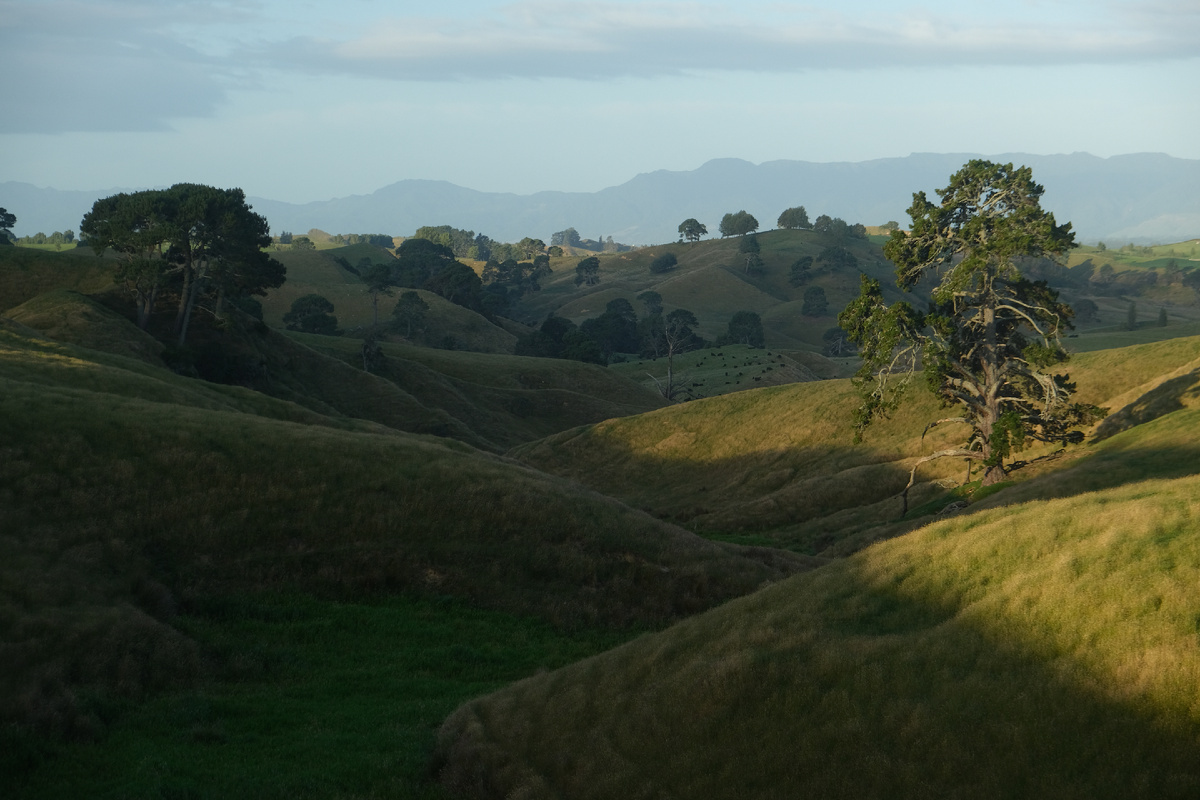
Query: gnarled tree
x,y
990,340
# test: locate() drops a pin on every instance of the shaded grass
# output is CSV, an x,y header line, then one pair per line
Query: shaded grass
x,y
717,370
115,511
308,698
1047,649
27,272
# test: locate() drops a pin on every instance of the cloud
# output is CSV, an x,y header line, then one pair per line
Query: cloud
x,y
111,66
134,65
601,40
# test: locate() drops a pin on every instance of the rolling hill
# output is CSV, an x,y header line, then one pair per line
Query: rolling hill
x,y
1040,643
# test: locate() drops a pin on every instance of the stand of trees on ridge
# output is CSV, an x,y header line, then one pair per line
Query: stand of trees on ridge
x,y
200,246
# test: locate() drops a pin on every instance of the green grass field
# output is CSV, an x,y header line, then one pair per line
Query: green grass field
x,y
468,573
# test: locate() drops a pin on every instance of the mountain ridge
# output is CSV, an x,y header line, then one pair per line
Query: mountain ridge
x,y
1138,197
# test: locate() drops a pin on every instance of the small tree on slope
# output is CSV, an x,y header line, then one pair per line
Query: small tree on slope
x,y
991,337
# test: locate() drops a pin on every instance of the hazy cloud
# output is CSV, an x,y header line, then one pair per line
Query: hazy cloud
x,y
598,40
110,66
128,65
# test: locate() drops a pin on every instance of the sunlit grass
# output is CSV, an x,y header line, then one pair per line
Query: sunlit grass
x,y
1045,649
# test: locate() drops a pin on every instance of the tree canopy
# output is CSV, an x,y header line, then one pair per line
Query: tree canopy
x,y
664,263
311,313
738,223
691,230
990,339
587,271
7,220
794,218
203,243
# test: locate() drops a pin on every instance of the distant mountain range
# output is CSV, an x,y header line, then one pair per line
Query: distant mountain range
x,y
1141,198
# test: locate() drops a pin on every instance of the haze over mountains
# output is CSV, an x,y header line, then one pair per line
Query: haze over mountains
x,y
1141,198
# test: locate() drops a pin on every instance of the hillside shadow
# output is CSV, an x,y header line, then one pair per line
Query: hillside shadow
x,y
995,706
856,689
1160,401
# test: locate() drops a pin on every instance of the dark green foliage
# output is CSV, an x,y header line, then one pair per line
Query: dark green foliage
x,y
614,331
7,220
567,238
738,223
794,219
410,312
800,271
204,244
664,263
652,301
991,336
560,338
836,258
691,230
417,260
745,327
837,342
303,243
1131,317
379,280
311,313
459,284
1162,317
587,271
815,302
458,241
1086,310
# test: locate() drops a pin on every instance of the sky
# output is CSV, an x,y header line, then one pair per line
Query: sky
x,y
311,99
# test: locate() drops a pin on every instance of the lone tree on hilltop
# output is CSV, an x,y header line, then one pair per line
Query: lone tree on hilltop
x,y
793,219
691,230
738,223
991,336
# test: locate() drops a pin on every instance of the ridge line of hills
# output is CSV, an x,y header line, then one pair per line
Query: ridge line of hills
x,y
1139,198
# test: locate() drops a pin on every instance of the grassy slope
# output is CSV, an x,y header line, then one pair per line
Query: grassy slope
x,y
709,282
501,400
316,272
1046,648
125,489
779,462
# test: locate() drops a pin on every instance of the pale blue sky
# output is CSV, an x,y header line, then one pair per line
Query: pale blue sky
x,y
312,99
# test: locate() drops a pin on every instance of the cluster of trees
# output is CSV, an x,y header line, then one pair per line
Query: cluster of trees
x,y
739,223
570,238
199,245
480,247
377,239
56,238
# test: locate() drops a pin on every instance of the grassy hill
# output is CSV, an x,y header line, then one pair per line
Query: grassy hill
x,y
711,281
282,587
129,493
777,465
1043,648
